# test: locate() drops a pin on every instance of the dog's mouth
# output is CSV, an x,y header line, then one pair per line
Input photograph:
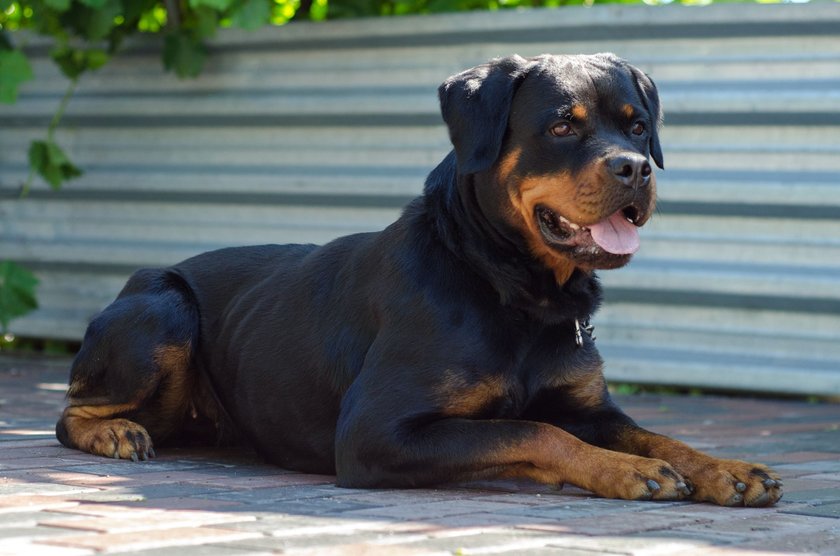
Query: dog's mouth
x,y
617,234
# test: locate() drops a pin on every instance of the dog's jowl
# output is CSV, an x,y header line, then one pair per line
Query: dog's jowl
x,y
450,346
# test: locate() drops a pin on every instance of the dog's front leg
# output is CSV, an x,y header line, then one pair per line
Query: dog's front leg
x,y
721,481
377,452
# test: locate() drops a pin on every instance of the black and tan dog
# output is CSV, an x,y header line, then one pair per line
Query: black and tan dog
x,y
452,345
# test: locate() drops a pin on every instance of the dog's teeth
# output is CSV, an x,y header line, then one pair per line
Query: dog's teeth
x,y
572,225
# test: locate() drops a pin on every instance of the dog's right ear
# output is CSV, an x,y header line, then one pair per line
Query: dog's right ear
x,y
475,105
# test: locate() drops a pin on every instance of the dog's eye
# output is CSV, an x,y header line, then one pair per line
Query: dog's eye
x,y
638,128
562,129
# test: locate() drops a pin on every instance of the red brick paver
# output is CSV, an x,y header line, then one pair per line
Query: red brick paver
x,y
55,501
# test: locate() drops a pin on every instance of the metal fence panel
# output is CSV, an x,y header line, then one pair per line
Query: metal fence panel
x,y
311,131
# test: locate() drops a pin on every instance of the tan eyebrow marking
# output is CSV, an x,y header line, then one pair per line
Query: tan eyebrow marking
x,y
579,112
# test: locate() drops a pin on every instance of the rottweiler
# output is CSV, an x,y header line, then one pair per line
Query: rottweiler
x,y
451,346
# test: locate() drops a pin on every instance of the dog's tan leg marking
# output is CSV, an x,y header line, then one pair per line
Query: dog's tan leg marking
x,y
94,429
553,456
721,481
100,429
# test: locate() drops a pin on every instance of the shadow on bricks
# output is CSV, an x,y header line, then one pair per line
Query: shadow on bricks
x,y
227,501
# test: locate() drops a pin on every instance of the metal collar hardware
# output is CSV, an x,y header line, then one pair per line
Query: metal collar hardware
x,y
580,328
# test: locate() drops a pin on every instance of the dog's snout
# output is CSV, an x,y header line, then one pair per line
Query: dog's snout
x,y
632,170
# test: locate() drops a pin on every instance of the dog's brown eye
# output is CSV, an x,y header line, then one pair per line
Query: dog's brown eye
x,y
638,128
562,129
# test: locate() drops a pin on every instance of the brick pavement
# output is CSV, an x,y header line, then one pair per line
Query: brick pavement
x,y
227,502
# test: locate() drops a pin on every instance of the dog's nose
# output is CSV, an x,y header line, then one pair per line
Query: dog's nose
x,y
633,170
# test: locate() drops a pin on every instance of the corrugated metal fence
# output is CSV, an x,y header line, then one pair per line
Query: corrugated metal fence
x,y
308,132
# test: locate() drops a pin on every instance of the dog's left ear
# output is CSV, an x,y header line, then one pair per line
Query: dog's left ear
x,y
650,97
475,105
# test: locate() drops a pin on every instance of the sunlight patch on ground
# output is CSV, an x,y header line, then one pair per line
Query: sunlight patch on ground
x,y
52,386
25,432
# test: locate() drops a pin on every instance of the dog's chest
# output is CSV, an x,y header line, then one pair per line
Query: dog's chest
x,y
505,387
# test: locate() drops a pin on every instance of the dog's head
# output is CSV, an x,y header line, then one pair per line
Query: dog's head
x,y
560,145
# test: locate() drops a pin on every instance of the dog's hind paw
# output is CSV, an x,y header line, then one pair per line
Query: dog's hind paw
x,y
119,439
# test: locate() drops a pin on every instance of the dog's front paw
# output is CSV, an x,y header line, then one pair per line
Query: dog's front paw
x,y
638,478
730,482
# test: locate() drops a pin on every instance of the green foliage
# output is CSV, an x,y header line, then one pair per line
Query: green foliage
x,y
252,14
219,5
58,5
95,22
17,292
358,8
14,70
206,23
87,33
49,161
73,62
184,54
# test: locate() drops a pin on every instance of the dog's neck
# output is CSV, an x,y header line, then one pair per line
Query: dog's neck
x,y
521,281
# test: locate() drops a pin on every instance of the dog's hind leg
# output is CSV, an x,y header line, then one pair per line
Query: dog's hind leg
x,y
132,383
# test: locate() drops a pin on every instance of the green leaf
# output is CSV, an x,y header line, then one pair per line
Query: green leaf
x,y
49,161
353,8
38,155
437,6
100,19
135,8
92,23
220,5
55,154
94,4
17,292
96,59
206,22
183,54
73,61
14,70
58,5
47,22
252,14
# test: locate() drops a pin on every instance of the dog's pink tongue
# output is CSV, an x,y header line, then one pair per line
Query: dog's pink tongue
x,y
616,235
